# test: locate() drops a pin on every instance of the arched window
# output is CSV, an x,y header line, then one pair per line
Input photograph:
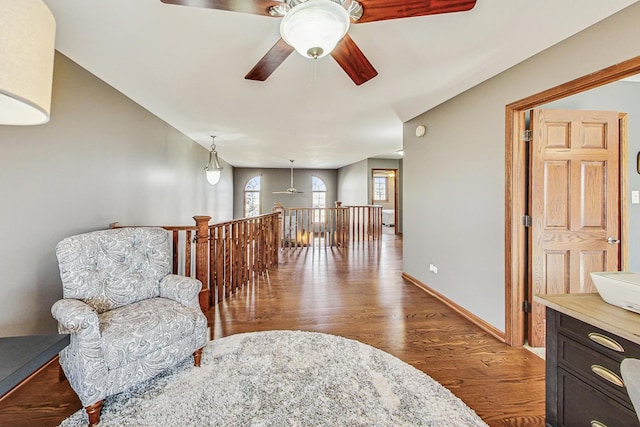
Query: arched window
x,y
319,198
252,197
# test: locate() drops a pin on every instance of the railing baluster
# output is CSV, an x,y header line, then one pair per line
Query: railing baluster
x,y
174,244
228,261
187,253
220,262
241,254
303,227
237,255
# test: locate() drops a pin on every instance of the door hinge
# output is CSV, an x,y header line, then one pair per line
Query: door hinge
x,y
526,306
526,221
527,135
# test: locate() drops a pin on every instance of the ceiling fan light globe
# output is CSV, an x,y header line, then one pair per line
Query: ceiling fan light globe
x,y
315,27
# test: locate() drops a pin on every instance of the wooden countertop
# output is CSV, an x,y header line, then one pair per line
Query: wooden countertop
x,y
591,309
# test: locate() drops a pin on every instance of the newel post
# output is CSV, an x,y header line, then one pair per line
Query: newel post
x,y
202,259
340,224
279,209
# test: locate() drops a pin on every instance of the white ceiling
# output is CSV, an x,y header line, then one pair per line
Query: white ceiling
x,y
187,66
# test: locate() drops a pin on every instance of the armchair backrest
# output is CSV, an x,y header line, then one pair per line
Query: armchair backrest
x,y
111,268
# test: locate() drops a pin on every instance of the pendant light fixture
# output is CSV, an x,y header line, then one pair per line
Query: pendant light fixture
x,y
315,27
27,48
213,168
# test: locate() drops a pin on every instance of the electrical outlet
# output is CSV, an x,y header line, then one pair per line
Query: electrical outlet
x,y
433,269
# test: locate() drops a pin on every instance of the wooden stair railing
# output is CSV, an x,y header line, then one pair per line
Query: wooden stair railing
x,y
365,222
227,256
303,227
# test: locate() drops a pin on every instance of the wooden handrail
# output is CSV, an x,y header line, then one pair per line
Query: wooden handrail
x,y
227,255
366,222
302,227
241,250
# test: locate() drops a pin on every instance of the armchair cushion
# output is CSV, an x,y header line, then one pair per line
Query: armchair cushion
x,y
148,328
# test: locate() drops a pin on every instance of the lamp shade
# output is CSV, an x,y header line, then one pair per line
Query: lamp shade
x,y
27,48
315,27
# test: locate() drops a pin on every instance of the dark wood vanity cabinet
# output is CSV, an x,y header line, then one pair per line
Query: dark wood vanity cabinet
x,y
584,386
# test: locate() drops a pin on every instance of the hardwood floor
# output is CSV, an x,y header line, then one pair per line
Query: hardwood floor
x,y
357,293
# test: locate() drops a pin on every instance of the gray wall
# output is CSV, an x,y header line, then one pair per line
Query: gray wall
x,y
102,158
353,184
623,97
279,180
454,176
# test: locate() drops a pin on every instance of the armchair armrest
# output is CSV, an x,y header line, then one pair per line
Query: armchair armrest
x,y
74,316
182,289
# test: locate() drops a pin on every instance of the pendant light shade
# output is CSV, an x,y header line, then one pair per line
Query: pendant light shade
x,y
213,176
27,47
213,168
315,27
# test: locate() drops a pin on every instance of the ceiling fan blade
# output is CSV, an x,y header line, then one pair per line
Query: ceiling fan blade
x,y
349,56
269,62
380,10
256,7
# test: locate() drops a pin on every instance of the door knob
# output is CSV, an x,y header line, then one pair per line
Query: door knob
x,y
613,241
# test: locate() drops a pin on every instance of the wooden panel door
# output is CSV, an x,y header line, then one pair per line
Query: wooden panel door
x,y
574,204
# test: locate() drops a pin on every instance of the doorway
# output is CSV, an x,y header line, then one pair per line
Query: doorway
x,y
516,175
384,192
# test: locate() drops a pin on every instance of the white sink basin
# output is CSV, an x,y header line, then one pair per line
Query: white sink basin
x,y
621,288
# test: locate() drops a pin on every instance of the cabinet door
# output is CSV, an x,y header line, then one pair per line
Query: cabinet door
x,y
600,371
582,405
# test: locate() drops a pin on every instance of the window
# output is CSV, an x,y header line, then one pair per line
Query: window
x,y
380,189
319,198
252,197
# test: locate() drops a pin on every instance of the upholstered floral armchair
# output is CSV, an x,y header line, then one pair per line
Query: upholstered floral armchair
x,y
128,317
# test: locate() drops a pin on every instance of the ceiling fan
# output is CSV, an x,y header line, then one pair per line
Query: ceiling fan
x,y
291,189
324,14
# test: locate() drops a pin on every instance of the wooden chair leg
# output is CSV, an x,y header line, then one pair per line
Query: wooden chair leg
x,y
197,357
93,411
